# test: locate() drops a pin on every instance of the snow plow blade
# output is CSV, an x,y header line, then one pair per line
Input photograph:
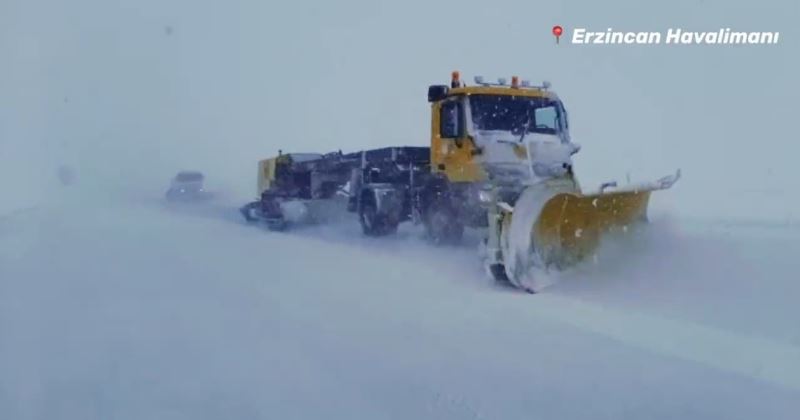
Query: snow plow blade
x,y
570,226
554,226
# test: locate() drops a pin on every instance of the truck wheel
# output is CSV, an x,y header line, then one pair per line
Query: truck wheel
x,y
442,225
498,273
374,224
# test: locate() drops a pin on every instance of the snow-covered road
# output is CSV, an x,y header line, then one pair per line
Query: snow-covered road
x,y
125,308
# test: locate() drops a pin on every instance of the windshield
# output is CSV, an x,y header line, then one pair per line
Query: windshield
x,y
189,177
517,114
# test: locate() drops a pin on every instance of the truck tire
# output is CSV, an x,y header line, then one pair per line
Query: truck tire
x,y
442,226
373,223
498,273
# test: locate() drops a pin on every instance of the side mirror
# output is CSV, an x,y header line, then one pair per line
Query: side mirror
x,y
462,138
437,93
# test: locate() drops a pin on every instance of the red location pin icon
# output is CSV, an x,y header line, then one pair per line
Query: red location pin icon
x,y
557,31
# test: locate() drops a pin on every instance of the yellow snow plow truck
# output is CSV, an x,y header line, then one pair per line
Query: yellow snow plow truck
x,y
500,159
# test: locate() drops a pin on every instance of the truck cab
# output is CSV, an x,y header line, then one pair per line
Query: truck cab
x,y
483,130
484,136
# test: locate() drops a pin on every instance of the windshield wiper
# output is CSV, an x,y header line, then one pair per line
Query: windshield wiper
x,y
525,128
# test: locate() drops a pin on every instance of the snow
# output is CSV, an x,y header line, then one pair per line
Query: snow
x,y
130,308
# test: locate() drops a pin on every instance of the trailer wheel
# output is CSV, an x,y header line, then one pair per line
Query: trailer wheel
x,y
247,212
373,223
442,225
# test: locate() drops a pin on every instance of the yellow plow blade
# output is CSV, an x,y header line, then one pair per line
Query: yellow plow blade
x,y
569,226
553,225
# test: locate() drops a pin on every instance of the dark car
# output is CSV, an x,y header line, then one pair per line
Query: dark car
x,y
187,185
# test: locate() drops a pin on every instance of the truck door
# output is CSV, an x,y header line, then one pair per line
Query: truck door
x,y
452,150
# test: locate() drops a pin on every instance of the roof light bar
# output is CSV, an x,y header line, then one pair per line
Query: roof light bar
x,y
516,82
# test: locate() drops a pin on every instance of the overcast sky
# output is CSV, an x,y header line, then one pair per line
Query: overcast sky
x,y
129,92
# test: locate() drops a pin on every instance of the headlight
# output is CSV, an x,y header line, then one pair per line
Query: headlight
x,y
485,196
